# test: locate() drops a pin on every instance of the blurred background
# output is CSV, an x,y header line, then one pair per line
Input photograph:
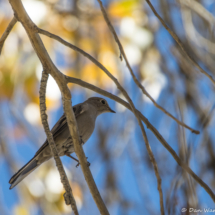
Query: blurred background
x,y
116,150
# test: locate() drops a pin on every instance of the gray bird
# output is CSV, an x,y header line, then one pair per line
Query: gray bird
x,y
85,114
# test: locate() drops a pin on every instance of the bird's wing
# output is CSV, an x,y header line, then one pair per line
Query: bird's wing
x,y
62,123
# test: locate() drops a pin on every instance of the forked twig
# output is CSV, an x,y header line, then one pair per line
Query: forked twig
x,y
122,53
59,39
149,126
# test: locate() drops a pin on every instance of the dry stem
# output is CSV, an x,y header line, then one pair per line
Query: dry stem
x,y
69,198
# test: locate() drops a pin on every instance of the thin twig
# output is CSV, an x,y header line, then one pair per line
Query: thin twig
x,y
59,39
69,198
149,126
175,37
7,32
122,53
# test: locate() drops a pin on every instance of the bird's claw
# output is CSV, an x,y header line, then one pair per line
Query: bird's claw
x,y
88,163
82,142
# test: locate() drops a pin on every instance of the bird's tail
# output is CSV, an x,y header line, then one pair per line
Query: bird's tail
x,y
23,172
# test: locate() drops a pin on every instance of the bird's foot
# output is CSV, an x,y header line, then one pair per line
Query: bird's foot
x,y
78,163
82,142
88,163
74,159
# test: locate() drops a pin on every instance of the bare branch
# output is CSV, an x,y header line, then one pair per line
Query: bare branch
x,y
175,37
49,66
122,53
82,158
132,73
69,198
7,32
59,39
149,126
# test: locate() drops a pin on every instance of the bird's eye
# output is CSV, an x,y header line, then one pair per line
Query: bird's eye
x,y
103,102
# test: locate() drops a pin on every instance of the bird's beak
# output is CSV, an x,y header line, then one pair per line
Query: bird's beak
x,y
112,111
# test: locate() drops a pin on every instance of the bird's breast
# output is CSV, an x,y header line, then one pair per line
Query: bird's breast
x,y
86,125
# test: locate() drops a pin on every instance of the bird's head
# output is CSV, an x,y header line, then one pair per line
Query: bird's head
x,y
100,104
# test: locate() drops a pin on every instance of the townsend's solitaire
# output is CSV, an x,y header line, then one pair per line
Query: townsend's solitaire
x,y
85,114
